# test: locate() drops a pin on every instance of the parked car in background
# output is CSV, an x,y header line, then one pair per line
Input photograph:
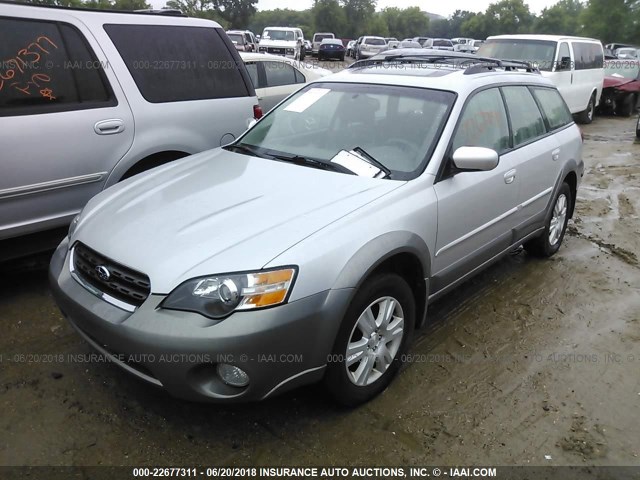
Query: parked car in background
x,y
331,49
626,53
301,40
308,47
71,131
370,46
317,40
243,40
574,64
393,44
350,47
615,46
420,40
275,77
284,41
462,45
621,89
323,233
439,44
475,45
390,39
409,44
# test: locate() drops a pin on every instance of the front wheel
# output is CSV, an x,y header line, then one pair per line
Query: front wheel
x,y
626,105
585,117
372,340
549,242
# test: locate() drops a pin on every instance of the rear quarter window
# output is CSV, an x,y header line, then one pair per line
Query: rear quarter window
x,y
178,63
553,106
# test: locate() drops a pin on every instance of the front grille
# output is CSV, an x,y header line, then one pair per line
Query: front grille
x,y
277,51
123,284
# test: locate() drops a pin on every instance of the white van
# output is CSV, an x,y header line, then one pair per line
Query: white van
x,y
574,64
285,41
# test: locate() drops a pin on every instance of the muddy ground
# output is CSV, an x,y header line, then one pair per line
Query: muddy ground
x,y
531,363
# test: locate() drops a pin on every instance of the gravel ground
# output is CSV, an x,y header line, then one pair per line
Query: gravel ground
x,y
530,363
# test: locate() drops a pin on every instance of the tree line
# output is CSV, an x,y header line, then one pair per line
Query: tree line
x,y
607,20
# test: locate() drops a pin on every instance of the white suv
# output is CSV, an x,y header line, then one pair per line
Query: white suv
x,y
88,98
310,248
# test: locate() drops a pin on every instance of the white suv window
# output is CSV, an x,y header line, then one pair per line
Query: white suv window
x,y
483,123
526,120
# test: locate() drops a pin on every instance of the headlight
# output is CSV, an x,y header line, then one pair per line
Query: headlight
x,y
217,296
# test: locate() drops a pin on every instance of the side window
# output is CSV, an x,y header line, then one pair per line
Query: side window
x,y
300,78
563,52
176,63
252,68
279,73
48,67
483,123
526,120
553,106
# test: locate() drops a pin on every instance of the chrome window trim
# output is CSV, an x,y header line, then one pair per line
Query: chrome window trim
x,y
98,293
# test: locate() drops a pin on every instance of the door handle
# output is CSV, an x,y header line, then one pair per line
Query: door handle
x,y
109,127
555,155
510,176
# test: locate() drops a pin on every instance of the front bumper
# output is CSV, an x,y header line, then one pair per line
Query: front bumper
x,y
280,348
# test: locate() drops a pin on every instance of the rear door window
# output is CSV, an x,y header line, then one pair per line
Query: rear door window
x,y
178,63
527,123
48,67
279,73
553,107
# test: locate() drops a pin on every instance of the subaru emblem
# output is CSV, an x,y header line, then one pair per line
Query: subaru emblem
x,y
103,272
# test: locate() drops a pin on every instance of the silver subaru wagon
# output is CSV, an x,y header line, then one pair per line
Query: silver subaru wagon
x,y
309,248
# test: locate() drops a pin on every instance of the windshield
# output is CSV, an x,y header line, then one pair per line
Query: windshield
x,y
375,41
398,126
236,37
285,35
624,68
538,52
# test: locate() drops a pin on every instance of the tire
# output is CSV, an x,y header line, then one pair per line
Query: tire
x,y
547,244
302,54
586,117
626,106
377,360
342,58
638,128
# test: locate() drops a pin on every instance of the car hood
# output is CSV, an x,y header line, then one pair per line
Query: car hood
x,y
217,212
615,81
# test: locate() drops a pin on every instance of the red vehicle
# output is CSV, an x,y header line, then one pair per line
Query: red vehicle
x,y
621,89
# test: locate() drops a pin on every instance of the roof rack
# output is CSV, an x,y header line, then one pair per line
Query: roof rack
x,y
162,11
470,62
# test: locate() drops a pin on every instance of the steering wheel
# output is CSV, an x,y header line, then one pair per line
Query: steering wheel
x,y
402,144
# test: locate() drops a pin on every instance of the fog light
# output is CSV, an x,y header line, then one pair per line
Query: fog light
x,y
231,375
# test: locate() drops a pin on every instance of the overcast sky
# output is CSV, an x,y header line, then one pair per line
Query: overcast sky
x,y
444,8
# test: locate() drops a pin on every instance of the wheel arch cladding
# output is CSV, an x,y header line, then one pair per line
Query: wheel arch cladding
x,y
404,253
571,179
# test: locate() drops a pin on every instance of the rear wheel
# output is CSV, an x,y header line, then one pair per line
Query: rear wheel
x,y
638,128
549,242
372,340
586,116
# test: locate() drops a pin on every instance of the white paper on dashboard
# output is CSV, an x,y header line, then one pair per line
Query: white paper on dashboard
x,y
307,99
356,164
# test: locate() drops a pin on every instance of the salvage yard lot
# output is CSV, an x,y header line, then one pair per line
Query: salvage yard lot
x,y
530,363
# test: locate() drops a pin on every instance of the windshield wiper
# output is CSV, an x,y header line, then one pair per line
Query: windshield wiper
x,y
243,148
370,159
311,162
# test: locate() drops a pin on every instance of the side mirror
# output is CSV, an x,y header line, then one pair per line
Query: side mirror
x,y
475,159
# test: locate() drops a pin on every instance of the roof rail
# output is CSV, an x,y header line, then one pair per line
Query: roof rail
x,y
470,62
160,11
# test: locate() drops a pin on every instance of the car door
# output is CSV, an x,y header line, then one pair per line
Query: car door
x,y
475,209
534,158
65,122
562,75
277,80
